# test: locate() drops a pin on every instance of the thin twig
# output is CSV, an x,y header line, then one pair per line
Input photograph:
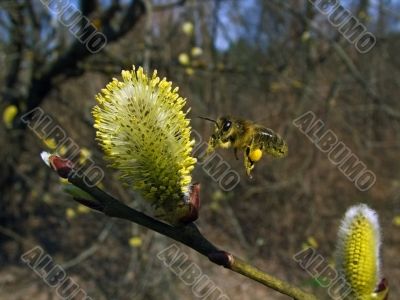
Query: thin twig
x,y
90,251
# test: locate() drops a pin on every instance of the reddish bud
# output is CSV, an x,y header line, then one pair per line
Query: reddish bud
x,y
383,288
61,165
194,205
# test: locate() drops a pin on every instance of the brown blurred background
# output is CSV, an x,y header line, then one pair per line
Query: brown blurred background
x,y
269,61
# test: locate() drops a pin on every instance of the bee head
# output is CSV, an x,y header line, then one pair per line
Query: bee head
x,y
225,124
222,131
223,128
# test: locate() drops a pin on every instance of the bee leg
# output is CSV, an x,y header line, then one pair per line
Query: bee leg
x,y
211,146
235,151
248,163
209,150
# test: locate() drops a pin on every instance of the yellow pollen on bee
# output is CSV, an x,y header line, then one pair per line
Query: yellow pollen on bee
x,y
255,155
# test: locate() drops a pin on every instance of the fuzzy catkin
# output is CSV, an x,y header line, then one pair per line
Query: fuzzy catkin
x,y
144,132
358,251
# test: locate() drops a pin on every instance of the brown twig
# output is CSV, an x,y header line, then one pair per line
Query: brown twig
x,y
188,235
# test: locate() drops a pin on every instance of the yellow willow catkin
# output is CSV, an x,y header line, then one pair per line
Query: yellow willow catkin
x,y
145,135
9,114
358,251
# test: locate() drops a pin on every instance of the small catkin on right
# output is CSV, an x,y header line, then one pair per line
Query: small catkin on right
x,y
357,254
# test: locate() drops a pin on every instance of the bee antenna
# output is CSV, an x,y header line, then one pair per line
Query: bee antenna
x,y
208,119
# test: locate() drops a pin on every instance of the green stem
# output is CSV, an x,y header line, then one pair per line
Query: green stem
x,y
242,267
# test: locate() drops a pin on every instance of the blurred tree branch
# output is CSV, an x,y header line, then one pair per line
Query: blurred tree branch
x,y
114,22
67,63
17,48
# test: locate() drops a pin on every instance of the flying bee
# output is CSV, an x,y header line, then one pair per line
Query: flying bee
x,y
252,138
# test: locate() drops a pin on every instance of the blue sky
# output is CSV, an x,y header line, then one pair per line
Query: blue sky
x,y
251,14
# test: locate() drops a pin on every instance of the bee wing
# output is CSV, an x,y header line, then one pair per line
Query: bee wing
x,y
272,143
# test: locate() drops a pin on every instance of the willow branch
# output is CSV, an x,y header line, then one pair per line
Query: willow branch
x,y
188,235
